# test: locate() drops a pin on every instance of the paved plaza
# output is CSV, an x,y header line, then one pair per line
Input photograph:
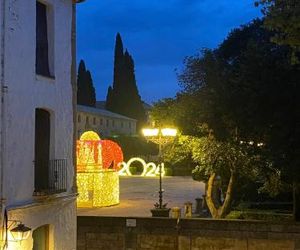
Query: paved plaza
x,y
138,194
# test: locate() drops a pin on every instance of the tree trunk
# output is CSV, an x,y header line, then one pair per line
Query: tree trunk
x,y
224,209
209,196
296,201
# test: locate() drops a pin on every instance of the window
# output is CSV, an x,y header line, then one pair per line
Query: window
x,y
129,124
94,120
113,123
101,121
42,62
42,149
87,119
122,124
107,123
79,118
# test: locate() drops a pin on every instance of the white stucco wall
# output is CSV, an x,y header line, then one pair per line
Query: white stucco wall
x,y
60,216
26,91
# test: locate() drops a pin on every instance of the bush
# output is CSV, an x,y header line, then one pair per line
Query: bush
x,y
259,215
135,146
168,171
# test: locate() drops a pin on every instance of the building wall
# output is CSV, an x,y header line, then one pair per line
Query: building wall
x,y
27,91
59,214
104,125
189,234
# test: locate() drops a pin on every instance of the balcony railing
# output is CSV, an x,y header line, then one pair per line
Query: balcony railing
x,y
53,178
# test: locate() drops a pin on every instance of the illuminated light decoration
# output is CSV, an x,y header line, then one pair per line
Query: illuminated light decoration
x,y
150,132
149,169
112,154
169,132
88,152
98,189
163,172
89,136
98,186
106,192
259,144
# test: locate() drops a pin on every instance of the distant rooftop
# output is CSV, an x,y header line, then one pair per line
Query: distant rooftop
x,y
147,106
103,112
101,105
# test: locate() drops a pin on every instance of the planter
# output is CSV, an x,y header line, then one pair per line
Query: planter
x,y
160,212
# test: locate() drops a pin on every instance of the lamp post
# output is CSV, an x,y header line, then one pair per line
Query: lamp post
x,y
160,136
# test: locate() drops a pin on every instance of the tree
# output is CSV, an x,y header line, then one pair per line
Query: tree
x,y
220,165
123,96
283,17
245,91
115,98
85,87
109,98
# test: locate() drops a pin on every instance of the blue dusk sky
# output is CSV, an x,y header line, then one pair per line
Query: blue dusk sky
x,y
159,34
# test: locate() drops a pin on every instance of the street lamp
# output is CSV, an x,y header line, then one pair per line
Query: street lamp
x,y
160,136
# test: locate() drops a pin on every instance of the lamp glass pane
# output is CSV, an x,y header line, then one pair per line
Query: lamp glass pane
x,y
169,132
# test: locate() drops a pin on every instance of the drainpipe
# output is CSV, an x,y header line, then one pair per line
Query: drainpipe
x,y
74,89
2,92
3,89
74,92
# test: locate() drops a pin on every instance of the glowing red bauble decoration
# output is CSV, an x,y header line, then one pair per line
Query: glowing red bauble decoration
x,y
95,154
112,154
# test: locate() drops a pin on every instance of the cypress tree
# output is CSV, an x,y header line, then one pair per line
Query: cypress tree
x,y
91,95
118,63
135,107
109,99
123,96
85,88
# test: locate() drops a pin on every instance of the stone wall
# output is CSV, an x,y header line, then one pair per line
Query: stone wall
x,y
95,233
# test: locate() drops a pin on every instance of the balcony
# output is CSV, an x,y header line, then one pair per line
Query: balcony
x,y
50,177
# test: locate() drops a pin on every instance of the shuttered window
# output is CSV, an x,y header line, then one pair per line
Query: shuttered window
x,y
42,56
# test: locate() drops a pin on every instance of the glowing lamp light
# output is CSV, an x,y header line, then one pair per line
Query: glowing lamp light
x,y
20,232
150,132
169,132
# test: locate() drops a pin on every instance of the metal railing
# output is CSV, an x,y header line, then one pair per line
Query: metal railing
x,y
53,179
58,175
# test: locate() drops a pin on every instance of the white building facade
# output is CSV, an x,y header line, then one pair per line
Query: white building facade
x,y
37,178
103,122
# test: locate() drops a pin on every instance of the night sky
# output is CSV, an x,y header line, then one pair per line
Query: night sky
x,y
159,34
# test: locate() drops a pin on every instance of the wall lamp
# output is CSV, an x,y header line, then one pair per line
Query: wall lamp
x,y
19,232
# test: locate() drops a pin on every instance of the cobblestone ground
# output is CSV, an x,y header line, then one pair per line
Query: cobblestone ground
x,y
138,194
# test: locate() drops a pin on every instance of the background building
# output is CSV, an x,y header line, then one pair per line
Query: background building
x,y
104,122
37,176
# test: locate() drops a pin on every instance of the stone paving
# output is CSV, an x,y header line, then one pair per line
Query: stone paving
x,y
138,194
